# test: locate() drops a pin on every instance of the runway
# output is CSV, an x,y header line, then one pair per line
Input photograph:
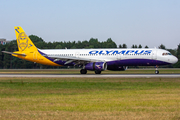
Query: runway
x,y
91,75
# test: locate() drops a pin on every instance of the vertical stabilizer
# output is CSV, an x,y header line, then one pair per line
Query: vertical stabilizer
x,y
23,41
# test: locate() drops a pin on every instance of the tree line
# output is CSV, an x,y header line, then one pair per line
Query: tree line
x,y
7,61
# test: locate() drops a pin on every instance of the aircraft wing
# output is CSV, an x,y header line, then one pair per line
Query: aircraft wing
x,y
70,59
14,53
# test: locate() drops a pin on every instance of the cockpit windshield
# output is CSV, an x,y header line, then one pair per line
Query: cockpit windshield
x,y
166,54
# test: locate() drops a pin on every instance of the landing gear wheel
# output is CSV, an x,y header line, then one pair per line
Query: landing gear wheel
x,y
83,71
157,72
97,72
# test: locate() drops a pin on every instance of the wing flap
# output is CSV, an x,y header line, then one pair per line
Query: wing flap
x,y
70,59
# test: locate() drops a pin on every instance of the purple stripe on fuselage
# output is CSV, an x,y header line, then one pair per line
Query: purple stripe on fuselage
x,y
137,62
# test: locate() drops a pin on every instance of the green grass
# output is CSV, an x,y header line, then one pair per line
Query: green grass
x,y
90,98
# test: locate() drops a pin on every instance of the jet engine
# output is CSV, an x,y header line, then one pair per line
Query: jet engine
x,y
100,66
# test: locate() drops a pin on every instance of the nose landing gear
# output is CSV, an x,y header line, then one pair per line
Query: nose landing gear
x,y
156,71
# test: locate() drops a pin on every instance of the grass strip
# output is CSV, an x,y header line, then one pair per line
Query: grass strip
x,y
89,98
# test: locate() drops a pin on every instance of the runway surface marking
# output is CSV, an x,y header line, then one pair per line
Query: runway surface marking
x,y
93,75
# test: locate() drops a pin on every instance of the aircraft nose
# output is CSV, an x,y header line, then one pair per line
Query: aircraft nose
x,y
174,59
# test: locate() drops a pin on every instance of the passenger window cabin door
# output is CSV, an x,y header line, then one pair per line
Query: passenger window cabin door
x,y
77,54
154,54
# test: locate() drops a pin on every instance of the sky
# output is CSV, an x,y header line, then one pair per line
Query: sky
x,y
145,22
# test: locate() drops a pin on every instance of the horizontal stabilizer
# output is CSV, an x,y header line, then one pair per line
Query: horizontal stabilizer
x,y
13,53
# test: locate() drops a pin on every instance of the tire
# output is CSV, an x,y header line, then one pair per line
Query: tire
x,y
97,72
83,71
156,72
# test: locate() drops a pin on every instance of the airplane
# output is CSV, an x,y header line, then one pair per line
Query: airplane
x,y
96,60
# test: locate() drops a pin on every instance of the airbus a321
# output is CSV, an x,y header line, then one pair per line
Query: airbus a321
x,y
90,59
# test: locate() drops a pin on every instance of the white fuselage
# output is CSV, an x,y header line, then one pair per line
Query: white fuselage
x,y
108,55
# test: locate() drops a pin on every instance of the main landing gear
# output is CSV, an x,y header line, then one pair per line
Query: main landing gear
x,y
84,71
97,72
156,71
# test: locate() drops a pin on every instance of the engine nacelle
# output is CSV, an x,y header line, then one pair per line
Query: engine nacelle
x,y
117,68
96,66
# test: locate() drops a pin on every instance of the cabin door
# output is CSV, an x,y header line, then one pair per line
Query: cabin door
x,y
154,54
77,54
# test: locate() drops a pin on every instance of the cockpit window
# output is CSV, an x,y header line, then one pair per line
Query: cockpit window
x,y
169,54
166,54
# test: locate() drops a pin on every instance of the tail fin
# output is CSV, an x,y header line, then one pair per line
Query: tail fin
x,y
23,41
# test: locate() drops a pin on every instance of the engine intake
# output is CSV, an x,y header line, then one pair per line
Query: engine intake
x,y
100,66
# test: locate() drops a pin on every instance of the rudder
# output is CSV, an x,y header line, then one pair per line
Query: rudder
x,y
23,41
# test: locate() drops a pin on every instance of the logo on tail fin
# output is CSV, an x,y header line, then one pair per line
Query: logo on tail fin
x,y
23,41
